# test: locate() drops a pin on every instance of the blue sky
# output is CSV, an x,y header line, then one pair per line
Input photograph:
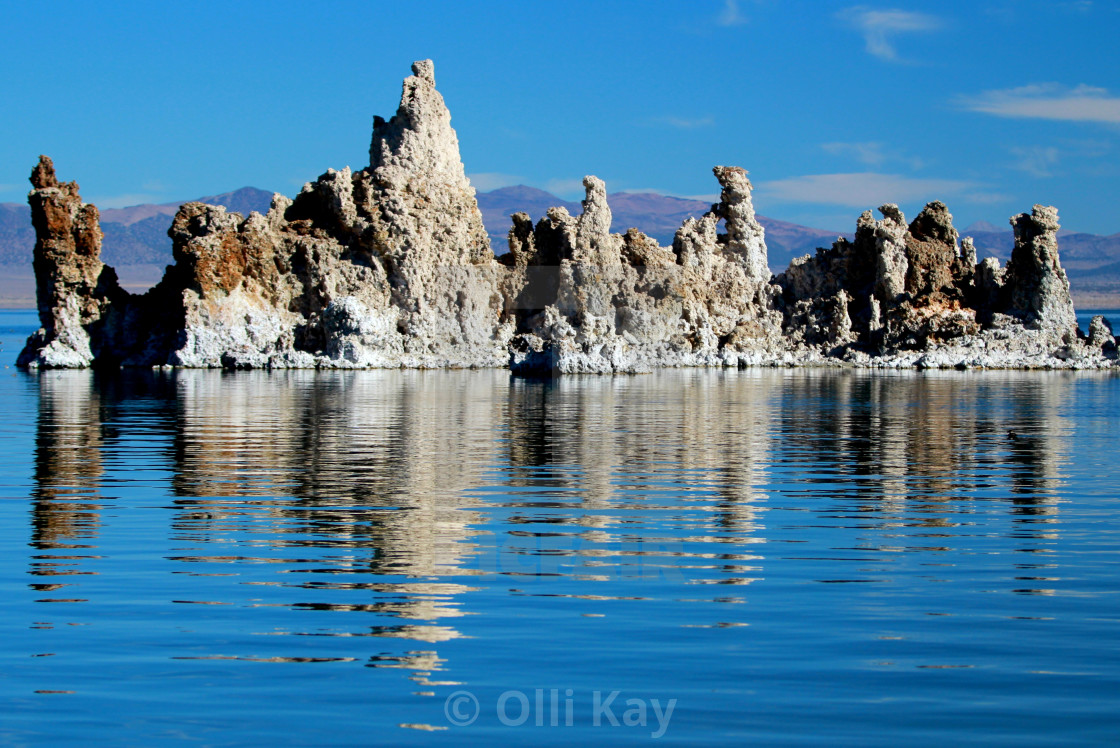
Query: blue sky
x,y
989,105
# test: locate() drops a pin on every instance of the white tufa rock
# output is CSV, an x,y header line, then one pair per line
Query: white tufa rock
x,y
390,266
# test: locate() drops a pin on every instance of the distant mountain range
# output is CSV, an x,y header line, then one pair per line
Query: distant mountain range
x,y
133,236
137,236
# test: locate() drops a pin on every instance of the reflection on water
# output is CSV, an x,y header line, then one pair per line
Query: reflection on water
x,y
67,498
429,521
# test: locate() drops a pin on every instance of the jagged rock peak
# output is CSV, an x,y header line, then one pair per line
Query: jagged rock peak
x,y
43,174
72,286
425,69
934,267
418,139
391,266
968,252
745,236
892,214
596,217
1038,286
1043,219
935,223
890,252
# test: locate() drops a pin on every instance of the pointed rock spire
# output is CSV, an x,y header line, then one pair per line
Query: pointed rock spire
x,y
1038,290
745,235
418,139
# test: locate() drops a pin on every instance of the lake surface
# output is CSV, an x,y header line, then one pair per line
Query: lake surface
x,y
747,557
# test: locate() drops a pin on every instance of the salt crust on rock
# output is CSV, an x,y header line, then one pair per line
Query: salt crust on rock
x,y
391,266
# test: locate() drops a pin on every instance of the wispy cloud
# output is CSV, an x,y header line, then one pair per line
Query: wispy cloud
x,y
866,153
487,181
565,187
7,187
1086,147
872,154
683,123
1050,101
731,15
866,189
126,200
1036,160
880,26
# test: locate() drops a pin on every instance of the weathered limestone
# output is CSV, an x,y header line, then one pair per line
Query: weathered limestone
x,y
74,288
746,239
929,304
386,267
391,266
601,302
1100,335
1037,287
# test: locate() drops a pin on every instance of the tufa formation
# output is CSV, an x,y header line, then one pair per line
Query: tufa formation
x,y
390,266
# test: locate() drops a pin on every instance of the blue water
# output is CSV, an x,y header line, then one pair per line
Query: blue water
x,y
784,557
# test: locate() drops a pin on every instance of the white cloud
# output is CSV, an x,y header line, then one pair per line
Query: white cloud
x,y
1048,101
862,190
730,15
880,26
7,187
490,180
1037,160
684,123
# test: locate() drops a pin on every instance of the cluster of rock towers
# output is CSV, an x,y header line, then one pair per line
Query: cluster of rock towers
x,y
390,266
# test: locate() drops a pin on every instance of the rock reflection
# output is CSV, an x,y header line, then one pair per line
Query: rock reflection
x,y
387,493
917,454
367,474
934,436
378,464
66,501
620,477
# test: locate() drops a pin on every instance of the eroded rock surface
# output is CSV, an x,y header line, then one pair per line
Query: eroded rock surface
x,y
386,267
391,266
914,297
74,288
600,302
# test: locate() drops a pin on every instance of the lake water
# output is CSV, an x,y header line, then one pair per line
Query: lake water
x,y
747,557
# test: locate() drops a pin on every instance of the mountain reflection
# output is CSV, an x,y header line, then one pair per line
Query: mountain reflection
x,y
382,494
